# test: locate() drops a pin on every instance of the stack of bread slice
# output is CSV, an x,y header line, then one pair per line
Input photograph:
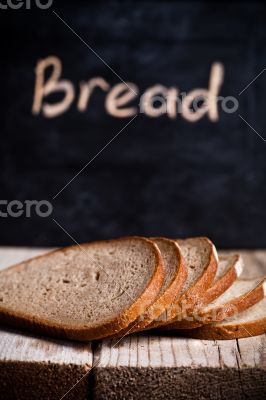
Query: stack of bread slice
x,y
117,287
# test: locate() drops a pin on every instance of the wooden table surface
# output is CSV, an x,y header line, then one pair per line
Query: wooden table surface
x,y
138,367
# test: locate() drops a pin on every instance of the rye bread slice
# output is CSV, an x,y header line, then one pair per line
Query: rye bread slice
x,y
251,322
82,292
175,277
242,294
201,261
229,269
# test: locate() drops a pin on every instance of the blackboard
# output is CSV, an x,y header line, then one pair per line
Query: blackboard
x,y
160,175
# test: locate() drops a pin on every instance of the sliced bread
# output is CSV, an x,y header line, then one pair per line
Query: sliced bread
x,y
201,260
175,277
244,293
229,269
251,322
82,292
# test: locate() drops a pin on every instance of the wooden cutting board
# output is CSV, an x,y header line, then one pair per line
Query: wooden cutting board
x,y
137,367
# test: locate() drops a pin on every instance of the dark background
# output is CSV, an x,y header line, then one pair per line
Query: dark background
x,y
160,176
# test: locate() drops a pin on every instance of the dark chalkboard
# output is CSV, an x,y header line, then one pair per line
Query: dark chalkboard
x,y
160,175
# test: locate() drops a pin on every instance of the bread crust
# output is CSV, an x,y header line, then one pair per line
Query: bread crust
x,y
164,299
184,324
85,333
195,293
220,313
228,309
224,282
216,290
223,332
169,294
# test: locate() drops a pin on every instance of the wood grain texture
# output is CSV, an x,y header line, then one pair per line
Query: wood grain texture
x,y
147,367
33,367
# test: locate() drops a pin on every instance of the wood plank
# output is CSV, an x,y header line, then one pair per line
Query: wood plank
x,y
148,367
33,367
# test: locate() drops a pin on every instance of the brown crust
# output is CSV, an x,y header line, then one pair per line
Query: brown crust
x,y
163,300
184,324
195,293
220,313
223,332
21,320
216,290
170,293
224,282
229,309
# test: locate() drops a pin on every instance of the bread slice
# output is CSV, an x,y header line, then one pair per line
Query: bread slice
x,y
175,277
243,294
201,260
229,269
82,292
251,322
